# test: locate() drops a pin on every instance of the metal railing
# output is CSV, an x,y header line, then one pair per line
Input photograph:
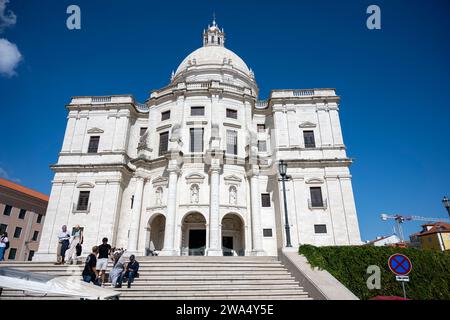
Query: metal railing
x,y
261,104
142,107
322,205
301,93
101,99
75,208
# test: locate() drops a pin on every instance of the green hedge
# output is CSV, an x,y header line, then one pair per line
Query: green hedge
x,y
429,278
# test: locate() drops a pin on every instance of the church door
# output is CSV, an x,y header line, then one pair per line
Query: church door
x,y
197,242
227,246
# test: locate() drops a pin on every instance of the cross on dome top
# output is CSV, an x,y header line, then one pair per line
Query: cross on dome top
x,y
213,36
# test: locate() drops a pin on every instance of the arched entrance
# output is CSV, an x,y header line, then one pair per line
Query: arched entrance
x,y
156,228
193,230
233,235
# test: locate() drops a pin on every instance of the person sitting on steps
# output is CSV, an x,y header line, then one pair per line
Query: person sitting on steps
x,y
131,272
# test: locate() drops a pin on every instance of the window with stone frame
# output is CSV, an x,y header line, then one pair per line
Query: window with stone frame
x,y
12,253
163,143
320,228
22,214
31,255
196,135
261,127
265,200
93,144
3,228
308,137
232,114
232,142
39,218
7,210
165,115
17,232
142,131
197,111
83,201
316,197
35,236
262,146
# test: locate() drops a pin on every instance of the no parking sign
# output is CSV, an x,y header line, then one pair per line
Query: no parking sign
x,y
401,266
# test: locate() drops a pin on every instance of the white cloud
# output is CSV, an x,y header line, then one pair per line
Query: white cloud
x,y
10,57
7,18
5,175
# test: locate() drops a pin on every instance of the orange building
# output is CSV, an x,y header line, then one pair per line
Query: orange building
x,y
22,212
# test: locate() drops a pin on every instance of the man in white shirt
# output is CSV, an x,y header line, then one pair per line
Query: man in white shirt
x,y
63,244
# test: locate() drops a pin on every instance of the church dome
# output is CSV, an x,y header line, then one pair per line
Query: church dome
x,y
213,55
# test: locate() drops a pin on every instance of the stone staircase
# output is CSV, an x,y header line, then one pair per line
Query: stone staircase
x,y
189,278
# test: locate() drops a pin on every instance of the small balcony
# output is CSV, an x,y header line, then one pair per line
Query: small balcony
x,y
323,205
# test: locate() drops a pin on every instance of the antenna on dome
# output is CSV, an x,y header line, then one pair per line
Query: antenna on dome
x,y
214,18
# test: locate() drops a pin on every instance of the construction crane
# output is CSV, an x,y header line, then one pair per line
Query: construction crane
x,y
399,219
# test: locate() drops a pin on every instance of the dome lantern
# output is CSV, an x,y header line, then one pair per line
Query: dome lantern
x,y
213,36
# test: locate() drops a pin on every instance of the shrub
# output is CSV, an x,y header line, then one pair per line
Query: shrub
x,y
429,278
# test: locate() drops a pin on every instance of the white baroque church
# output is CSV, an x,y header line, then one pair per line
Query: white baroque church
x,y
194,170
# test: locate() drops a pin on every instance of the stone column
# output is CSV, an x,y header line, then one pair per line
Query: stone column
x,y
169,232
70,131
122,131
256,214
280,126
326,136
292,124
136,215
215,243
336,126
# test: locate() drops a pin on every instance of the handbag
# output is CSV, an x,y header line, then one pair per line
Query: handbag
x,y
79,249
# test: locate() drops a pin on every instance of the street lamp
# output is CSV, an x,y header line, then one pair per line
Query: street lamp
x,y
282,167
446,204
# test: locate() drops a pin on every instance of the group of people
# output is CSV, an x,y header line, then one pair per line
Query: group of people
x,y
69,245
4,244
96,266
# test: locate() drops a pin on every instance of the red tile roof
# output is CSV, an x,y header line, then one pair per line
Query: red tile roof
x,y
436,228
22,189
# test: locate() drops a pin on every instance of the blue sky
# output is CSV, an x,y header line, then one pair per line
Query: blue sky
x,y
393,82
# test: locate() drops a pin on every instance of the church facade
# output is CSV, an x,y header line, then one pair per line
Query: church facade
x,y
194,170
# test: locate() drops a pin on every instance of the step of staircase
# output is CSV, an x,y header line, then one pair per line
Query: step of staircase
x,y
187,278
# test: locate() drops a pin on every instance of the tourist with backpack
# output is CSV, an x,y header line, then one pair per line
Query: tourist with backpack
x,y
4,245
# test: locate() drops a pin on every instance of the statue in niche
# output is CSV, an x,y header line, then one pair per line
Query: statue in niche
x,y
159,195
233,195
143,141
194,193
